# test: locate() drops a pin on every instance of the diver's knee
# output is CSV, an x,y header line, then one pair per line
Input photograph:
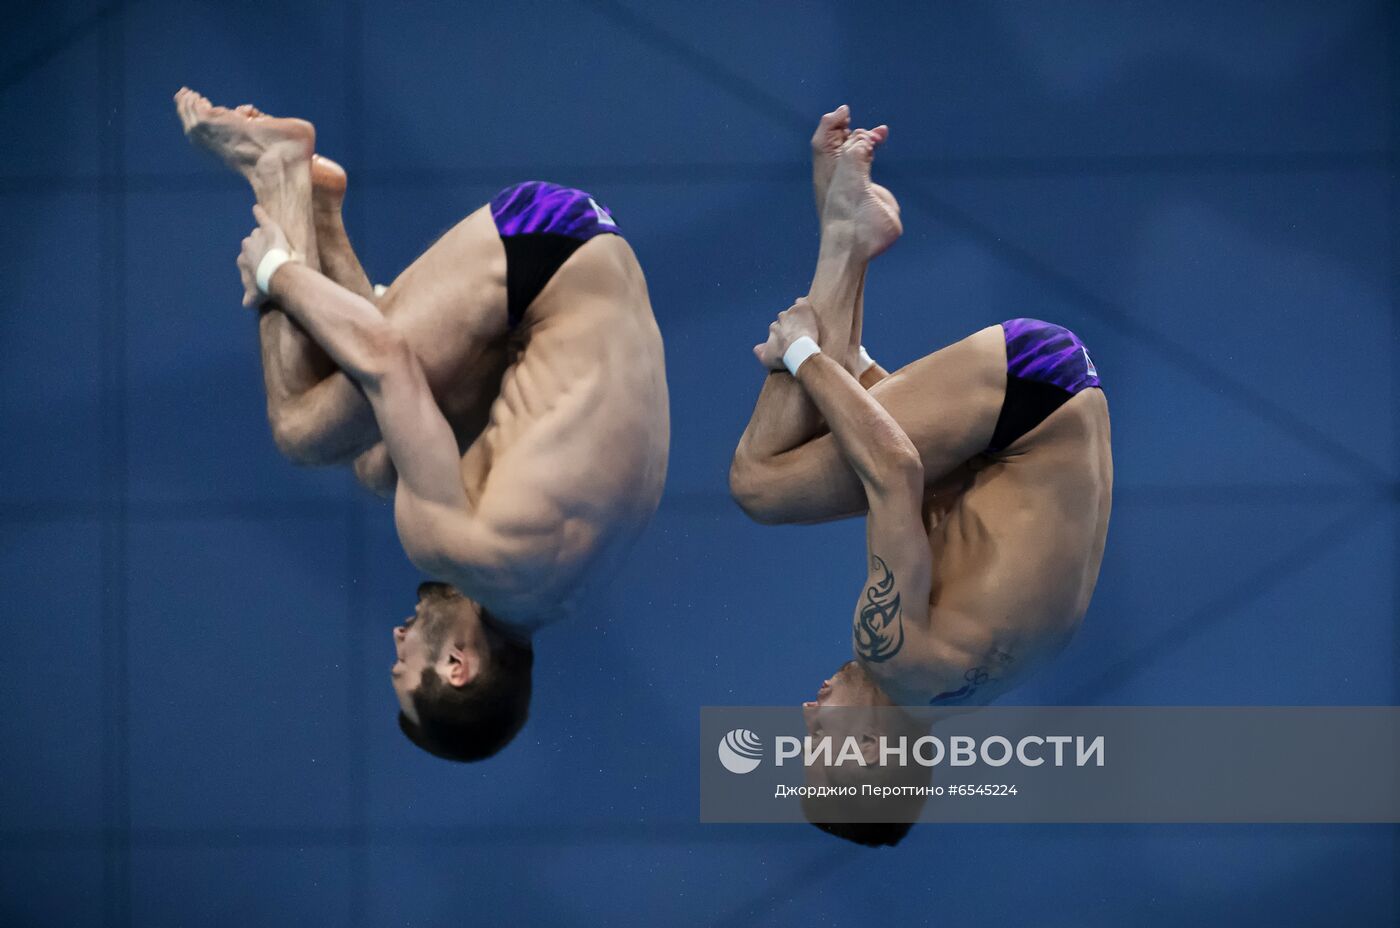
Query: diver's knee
x,y
297,440
753,486
375,471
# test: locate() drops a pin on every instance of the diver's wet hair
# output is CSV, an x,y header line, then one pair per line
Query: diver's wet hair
x,y
473,722
869,834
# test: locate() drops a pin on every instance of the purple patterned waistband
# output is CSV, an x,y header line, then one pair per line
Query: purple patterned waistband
x,y
537,206
1048,353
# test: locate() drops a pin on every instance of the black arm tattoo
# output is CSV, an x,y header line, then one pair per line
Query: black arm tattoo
x,y
974,678
879,626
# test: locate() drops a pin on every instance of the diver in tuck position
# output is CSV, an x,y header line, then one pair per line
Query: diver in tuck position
x,y
508,388
983,469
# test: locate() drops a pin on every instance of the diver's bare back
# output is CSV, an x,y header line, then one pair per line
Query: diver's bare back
x,y
577,440
1016,538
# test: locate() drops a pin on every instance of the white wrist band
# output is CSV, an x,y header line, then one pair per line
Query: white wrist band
x,y
799,351
866,361
268,266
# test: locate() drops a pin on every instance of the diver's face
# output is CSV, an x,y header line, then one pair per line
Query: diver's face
x,y
423,639
848,686
836,710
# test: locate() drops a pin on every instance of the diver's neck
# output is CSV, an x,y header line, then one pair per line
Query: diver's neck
x,y
904,684
522,625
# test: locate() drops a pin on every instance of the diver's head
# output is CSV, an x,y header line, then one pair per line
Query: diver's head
x,y
462,681
852,708
855,692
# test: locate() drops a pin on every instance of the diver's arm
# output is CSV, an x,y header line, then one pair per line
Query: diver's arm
x,y
437,527
877,448
872,375
899,569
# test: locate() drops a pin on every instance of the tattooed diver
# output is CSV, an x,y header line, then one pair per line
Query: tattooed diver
x,y
984,471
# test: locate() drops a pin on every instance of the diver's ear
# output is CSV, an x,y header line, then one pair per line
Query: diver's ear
x,y
463,665
870,749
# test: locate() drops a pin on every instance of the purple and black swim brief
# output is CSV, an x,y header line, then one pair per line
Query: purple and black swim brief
x,y
1046,365
541,225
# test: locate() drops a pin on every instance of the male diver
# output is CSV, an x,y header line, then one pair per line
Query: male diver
x,y
508,389
983,469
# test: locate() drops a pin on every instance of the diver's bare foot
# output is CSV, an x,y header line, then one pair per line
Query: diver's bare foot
x,y
327,184
244,135
870,210
832,132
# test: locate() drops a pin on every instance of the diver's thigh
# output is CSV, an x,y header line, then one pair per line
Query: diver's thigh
x,y
948,402
450,303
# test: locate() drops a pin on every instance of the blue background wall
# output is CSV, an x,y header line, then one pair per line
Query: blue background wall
x,y
196,722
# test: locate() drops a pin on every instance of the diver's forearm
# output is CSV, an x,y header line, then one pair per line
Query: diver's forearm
x,y
347,326
877,449
872,375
